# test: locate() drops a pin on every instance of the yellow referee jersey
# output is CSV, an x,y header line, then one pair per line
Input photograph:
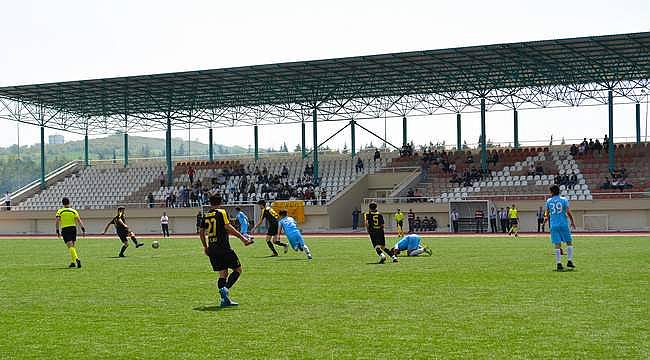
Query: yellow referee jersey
x,y
67,217
513,213
399,216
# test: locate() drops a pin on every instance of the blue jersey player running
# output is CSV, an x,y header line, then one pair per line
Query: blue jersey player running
x,y
290,228
411,243
242,219
557,213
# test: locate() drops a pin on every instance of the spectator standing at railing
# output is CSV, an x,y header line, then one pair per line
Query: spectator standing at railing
x,y
540,219
190,174
410,217
355,218
150,200
605,143
323,196
493,219
376,156
7,201
359,165
161,179
503,216
455,218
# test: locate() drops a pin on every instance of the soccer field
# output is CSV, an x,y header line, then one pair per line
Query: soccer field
x,y
474,298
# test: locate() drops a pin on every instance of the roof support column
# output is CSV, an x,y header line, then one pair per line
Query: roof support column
x,y
304,140
638,123
404,133
610,108
126,149
353,140
168,151
314,116
86,162
459,144
483,142
256,143
515,129
42,155
210,145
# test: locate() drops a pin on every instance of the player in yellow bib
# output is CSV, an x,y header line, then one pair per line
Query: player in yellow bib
x,y
513,217
67,220
399,220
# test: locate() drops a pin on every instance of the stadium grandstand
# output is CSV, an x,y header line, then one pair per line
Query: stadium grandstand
x,y
605,181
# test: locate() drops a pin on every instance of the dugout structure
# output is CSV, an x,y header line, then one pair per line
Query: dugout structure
x,y
593,70
467,209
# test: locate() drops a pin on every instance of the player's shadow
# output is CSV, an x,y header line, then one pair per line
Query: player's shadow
x,y
291,259
213,308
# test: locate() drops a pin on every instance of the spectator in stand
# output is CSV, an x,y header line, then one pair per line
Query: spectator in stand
x,y
161,179
190,174
358,167
479,217
355,218
410,196
285,171
573,150
7,201
493,219
455,220
410,217
598,147
539,170
150,200
469,159
540,219
323,196
573,181
494,159
376,156
531,170
591,146
606,143
606,185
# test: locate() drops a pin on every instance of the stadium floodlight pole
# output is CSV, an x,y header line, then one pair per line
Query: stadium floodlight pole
x,y
314,116
42,152
353,140
168,151
516,128
459,145
256,142
210,145
610,108
404,134
638,122
304,139
483,140
86,162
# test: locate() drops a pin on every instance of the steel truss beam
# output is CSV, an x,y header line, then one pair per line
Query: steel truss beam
x,y
358,108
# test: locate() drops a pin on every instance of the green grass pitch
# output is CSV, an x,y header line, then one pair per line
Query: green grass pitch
x,y
474,298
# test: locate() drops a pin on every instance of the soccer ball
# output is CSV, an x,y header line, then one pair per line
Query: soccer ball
x,y
155,244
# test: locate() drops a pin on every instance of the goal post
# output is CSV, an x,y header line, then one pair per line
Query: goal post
x,y
595,222
466,210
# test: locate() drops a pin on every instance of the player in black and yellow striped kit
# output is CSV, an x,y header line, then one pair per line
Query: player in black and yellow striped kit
x,y
214,233
67,220
272,236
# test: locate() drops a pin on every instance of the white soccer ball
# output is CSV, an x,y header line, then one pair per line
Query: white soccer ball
x,y
155,244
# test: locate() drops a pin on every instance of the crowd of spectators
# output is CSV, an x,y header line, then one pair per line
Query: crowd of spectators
x,y
252,184
568,180
535,170
590,146
467,177
619,180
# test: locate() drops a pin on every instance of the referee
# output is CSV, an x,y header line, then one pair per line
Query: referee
x,y
67,220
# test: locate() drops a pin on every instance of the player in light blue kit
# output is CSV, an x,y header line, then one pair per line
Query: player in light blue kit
x,y
243,222
411,243
289,227
557,213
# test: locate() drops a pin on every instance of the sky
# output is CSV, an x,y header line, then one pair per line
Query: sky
x,y
47,41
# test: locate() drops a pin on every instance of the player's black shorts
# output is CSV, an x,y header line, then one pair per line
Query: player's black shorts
x,y
514,222
69,233
223,259
400,223
273,229
123,235
378,238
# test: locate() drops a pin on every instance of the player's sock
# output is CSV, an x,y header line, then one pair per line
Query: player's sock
x,y
378,250
122,250
305,248
417,251
221,283
558,256
73,254
569,253
278,242
388,251
232,279
270,245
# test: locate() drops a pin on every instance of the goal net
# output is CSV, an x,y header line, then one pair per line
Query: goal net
x,y
596,222
467,209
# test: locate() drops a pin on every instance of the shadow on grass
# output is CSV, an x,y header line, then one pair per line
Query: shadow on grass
x,y
213,308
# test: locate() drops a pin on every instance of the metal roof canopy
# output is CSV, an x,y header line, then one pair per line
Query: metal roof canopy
x,y
537,74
